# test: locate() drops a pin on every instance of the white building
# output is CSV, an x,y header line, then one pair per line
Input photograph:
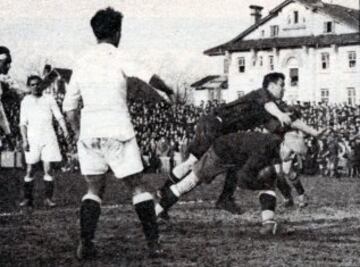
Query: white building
x,y
315,44
208,88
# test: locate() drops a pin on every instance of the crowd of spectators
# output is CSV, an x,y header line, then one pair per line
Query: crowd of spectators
x,y
163,130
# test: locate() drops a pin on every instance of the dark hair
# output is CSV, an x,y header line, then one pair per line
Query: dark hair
x,y
272,77
5,50
106,22
33,77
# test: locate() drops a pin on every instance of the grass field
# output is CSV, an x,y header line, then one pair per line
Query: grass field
x,y
327,232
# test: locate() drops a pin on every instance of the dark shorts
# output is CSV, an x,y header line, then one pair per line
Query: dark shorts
x,y
265,180
211,165
207,130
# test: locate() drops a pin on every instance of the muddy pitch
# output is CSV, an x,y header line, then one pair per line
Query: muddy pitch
x,y
326,233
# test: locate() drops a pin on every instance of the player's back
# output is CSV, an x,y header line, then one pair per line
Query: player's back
x,y
238,147
101,81
245,113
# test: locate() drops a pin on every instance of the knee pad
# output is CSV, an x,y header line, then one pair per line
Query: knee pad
x,y
267,200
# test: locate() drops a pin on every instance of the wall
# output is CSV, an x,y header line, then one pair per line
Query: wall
x,y
310,23
311,76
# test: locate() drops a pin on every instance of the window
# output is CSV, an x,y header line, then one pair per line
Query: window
x,y
294,76
328,27
324,95
218,94
274,30
226,65
241,62
211,95
352,59
325,60
271,62
261,63
351,96
296,17
240,93
262,33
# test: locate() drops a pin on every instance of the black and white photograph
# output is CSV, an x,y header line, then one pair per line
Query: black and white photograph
x,y
180,133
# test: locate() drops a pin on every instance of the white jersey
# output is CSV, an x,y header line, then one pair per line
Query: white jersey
x,y
100,79
36,113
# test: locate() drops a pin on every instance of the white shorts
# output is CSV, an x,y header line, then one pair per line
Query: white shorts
x,y
96,155
49,152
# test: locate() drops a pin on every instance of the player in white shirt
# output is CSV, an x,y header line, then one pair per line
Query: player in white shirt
x,y
39,138
106,134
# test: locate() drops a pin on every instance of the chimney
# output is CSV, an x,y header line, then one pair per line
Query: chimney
x,y
256,12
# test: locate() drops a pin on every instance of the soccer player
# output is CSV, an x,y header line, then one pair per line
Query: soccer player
x,y
262,107
39,139
290,171
107,137
253,156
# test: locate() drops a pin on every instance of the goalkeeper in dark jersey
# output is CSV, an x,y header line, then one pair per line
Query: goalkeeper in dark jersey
x,y
262,107
254,157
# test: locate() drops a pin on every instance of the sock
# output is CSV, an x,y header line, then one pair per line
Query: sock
x,y
145,209
268,205
28,190
298,187
185,185
283,187
49,189
89,215
158,209
182,169
168,199
230,185
172,179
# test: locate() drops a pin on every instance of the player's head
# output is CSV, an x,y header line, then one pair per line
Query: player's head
x,y
106,25
5,60
33,82
274,82
292,144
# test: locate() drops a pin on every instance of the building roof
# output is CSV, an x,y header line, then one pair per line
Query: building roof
x,y
347,15
291,42
211,82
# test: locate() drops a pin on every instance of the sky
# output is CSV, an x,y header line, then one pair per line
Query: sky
x,y
167,35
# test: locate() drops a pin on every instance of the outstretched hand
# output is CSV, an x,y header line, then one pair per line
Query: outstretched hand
x,y
285,119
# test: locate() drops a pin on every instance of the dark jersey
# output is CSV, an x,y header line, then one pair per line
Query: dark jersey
x,y
248,112
245,113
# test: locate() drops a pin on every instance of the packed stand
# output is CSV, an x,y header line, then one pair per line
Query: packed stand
x,y
164,131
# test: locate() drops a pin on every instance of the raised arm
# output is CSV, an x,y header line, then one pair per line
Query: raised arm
x,y
59,117
71,106
159,84
274,110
